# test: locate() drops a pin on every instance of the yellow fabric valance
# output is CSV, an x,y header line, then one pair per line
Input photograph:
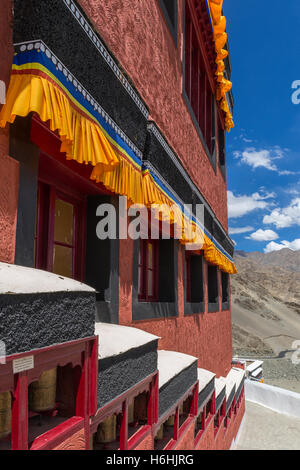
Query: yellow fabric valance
x,y
34,88
82,139
220,38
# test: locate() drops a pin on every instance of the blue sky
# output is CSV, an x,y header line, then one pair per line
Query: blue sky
x,y
263,150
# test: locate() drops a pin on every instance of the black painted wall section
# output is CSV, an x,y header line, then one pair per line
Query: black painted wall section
x,y
27,154
205,394
53,23
172,391
32,321
120,373
102,263
167,305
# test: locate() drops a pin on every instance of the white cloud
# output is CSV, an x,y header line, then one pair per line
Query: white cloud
x,y
285,217
238,230
263,235
273,246
240,205
263,159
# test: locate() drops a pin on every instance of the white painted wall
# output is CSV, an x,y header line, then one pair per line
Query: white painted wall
x,y
277,399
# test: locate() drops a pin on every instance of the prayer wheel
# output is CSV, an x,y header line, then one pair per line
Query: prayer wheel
x,y
42,394
140,407
170,421
107,430
131,413
160,433
5,414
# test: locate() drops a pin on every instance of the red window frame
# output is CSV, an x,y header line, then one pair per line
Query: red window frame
x,y
44,238
197,85
144,269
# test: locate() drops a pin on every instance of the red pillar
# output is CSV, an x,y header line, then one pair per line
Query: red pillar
x,y
19,429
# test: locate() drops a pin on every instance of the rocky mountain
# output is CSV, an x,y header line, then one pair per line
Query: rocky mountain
x,y
266,302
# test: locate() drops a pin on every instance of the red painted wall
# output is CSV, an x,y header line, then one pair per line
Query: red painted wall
x,y
9,174
206,336
136,33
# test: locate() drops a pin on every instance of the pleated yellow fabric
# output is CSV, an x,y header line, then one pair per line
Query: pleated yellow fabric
x,y
192,234
220,38
82,139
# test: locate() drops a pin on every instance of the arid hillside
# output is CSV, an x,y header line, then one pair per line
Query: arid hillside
x,y
266,301
266,313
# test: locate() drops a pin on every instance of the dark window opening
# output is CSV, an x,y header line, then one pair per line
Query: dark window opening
x,y
197,86
148,271
222,148
212,283
194,278
156,271
169,8
225,287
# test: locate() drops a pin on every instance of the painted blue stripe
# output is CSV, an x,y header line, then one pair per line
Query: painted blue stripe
x,y
33,56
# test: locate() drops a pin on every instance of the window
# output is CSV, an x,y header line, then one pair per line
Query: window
x,y
194,278
148,271
213,288
222,148
169,9
225,289
155,273
58,232
197,86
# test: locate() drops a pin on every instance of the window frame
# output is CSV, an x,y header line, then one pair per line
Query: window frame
x,y
166,308
221,136
44,237
226,303
192,307
143,264
205,132
213,306
173,28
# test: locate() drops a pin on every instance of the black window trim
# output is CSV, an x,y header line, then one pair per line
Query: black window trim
x,y
213,307
172,28
153,310
212,157
193,308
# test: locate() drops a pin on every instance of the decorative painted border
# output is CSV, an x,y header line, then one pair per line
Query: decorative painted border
x,y
94,38
40,45
154,130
